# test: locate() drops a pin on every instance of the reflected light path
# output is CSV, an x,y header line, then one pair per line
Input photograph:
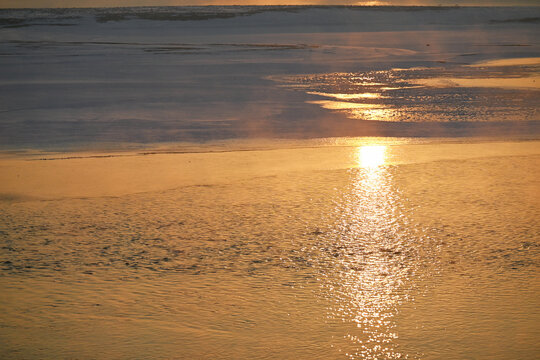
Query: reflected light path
x,y
421,94
371,156
371,280
343,105
348,96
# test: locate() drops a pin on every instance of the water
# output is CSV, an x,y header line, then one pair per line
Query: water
x,y
397,253
455,94
269,183
77,78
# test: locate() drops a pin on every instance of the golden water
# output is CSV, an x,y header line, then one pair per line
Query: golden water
x,y
364,252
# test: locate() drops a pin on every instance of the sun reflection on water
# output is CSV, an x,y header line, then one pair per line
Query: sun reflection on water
x,y
371,156
354,96
371,279
427,94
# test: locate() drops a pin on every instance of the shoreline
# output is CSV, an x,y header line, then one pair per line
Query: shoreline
x,y
85,175
122,149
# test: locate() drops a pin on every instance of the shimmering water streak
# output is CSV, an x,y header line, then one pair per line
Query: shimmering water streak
x,y
348,96
505,90
371,281
371,156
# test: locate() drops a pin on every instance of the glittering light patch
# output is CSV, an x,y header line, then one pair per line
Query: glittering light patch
x,y
499,91
371,156
348,96
342,105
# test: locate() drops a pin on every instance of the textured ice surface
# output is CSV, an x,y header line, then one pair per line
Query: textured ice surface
x,y
74,77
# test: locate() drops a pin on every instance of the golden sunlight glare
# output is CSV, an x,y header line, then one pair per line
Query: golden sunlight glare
x,y
371,156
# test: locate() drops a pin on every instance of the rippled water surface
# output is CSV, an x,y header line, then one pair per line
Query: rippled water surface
x,y
438,94
375,260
